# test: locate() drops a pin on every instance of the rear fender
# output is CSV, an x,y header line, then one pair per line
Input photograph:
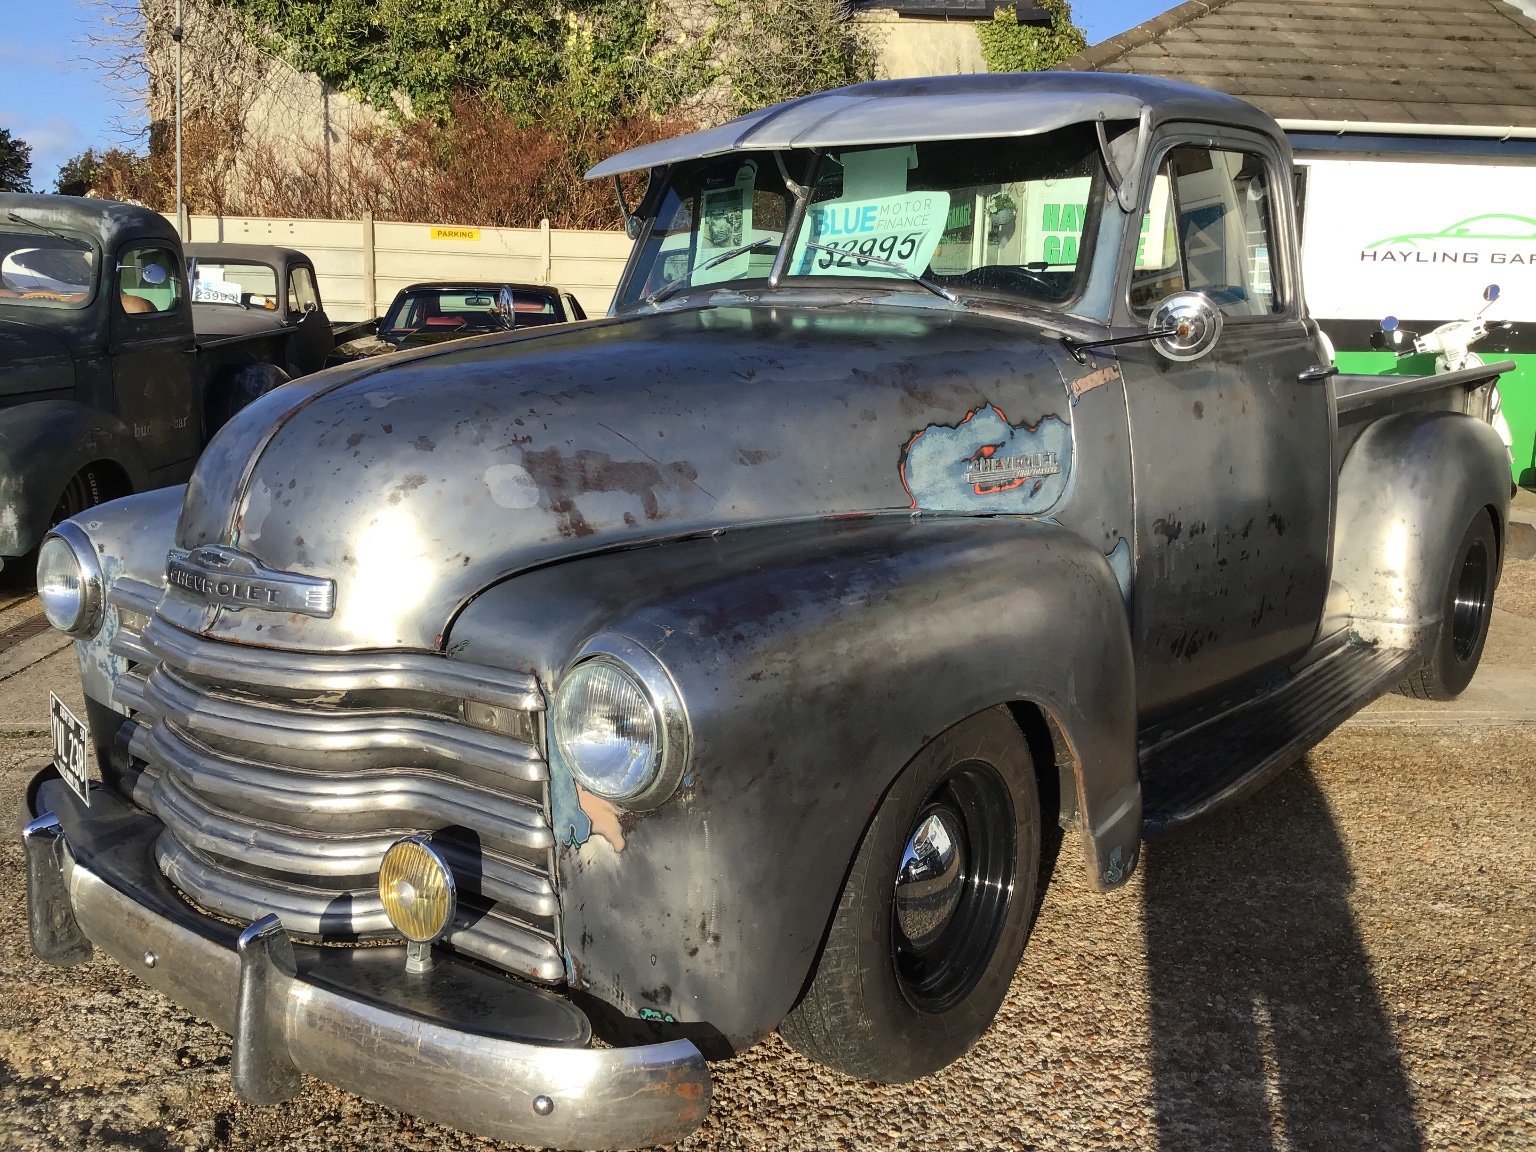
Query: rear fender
x,y
1407,491
42,446
813,661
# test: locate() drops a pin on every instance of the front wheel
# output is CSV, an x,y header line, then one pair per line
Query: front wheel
x,y
935,911
1465,612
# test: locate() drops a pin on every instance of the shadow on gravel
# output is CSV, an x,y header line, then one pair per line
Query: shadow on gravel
x,y
1267,1030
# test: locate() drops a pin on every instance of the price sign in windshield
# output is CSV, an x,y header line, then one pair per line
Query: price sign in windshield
x,y
904,228
215,292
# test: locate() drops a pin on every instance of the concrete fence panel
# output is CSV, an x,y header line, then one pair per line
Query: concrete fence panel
x,y
361,264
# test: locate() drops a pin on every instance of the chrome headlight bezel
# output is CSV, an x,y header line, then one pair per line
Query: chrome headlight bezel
x,y
669,758
84,617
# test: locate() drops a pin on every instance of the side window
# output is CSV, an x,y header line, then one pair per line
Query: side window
x,y
1209,227
302,296
149,280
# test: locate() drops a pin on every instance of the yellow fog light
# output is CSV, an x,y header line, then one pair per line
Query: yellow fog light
x,y
417,890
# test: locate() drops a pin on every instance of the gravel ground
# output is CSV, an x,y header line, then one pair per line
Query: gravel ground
x,y
1346,961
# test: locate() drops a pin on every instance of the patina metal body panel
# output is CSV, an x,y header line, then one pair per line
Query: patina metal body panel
x,y
837,519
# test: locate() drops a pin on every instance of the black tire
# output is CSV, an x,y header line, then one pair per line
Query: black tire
x,y
1465,613
890,1006
236,388
83,490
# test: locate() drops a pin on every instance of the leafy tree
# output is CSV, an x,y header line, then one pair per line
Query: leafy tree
x,y
15,163
79,174
1008,46
776,50
114,174
568,63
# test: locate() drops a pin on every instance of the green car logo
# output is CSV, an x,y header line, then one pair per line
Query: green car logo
x,y
1494,226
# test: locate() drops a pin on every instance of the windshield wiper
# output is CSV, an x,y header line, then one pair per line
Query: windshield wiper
x,y
12,216
843,253
666,289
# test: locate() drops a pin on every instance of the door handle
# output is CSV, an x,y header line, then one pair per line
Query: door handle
x,y
1317,373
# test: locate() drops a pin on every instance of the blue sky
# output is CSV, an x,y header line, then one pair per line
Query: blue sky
x,y
54,95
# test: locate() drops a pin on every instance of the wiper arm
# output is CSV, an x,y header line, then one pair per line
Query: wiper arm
x,y
843,253
667,289
12,216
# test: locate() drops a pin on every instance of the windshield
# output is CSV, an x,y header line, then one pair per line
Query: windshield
x,y
1005,217
448,310
43,270
232,282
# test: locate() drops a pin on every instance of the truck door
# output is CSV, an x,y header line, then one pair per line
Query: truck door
x,y
312,337
153,355
1232,452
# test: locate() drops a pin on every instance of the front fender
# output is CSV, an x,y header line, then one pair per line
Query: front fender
x,y
1407,491
814,661
42,445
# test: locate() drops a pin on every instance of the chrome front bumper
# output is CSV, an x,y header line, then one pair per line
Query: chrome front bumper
x,y
460,1044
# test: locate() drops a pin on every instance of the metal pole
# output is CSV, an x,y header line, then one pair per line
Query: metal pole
x,y
181,219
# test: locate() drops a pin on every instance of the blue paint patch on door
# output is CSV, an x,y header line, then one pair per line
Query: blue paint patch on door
x,y
985,464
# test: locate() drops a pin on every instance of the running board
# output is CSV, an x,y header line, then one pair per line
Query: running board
x,y
1235,754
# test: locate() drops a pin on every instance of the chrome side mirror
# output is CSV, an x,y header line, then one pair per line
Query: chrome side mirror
x,y
1187,324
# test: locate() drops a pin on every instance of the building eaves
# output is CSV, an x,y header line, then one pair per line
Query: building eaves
x,y
1450,62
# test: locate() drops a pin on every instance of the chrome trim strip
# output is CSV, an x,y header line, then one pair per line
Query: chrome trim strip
x,y
299,672
508,944
385,735
130,595
321,810
127,645
128,690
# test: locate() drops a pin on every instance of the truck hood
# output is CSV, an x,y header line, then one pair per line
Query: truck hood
x,y
33,359
416,483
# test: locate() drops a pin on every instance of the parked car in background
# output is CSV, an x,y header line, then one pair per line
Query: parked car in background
x,y
106,385
241,289
432,313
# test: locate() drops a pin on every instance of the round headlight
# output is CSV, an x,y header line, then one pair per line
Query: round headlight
x,y
607,730
69,582
417,889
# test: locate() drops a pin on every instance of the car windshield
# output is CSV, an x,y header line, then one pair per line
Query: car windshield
x,y
448,310
1001,217
46,270
232,282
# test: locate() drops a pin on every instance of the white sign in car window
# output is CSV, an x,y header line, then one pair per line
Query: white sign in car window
x,y
904,228
1055,213
210,287
725,222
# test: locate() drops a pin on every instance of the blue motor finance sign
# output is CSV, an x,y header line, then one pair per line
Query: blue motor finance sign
x,y
904,228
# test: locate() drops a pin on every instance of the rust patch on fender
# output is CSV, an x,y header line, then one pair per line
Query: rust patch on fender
x,y
1095,379
604,816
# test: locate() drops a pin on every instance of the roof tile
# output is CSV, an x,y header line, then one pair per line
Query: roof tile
x,y
1465,62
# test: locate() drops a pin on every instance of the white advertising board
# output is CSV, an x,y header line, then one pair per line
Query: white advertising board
x,y
1418,240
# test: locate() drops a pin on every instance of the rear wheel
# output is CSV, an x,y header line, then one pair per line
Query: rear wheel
x,y
84,490
1465,613
935,911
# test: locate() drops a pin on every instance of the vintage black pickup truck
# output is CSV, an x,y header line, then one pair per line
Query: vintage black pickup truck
x,y
960,463
110,382
245,289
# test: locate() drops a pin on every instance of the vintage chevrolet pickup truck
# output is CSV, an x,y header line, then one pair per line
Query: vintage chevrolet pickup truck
x,y
959,463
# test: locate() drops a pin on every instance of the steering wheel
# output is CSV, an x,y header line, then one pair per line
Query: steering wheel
x,y
1006,276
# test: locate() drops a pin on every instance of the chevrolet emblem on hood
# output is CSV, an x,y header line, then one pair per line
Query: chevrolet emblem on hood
x,y
232,579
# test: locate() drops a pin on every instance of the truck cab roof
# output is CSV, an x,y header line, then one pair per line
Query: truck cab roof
x,y
109,222
947,108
